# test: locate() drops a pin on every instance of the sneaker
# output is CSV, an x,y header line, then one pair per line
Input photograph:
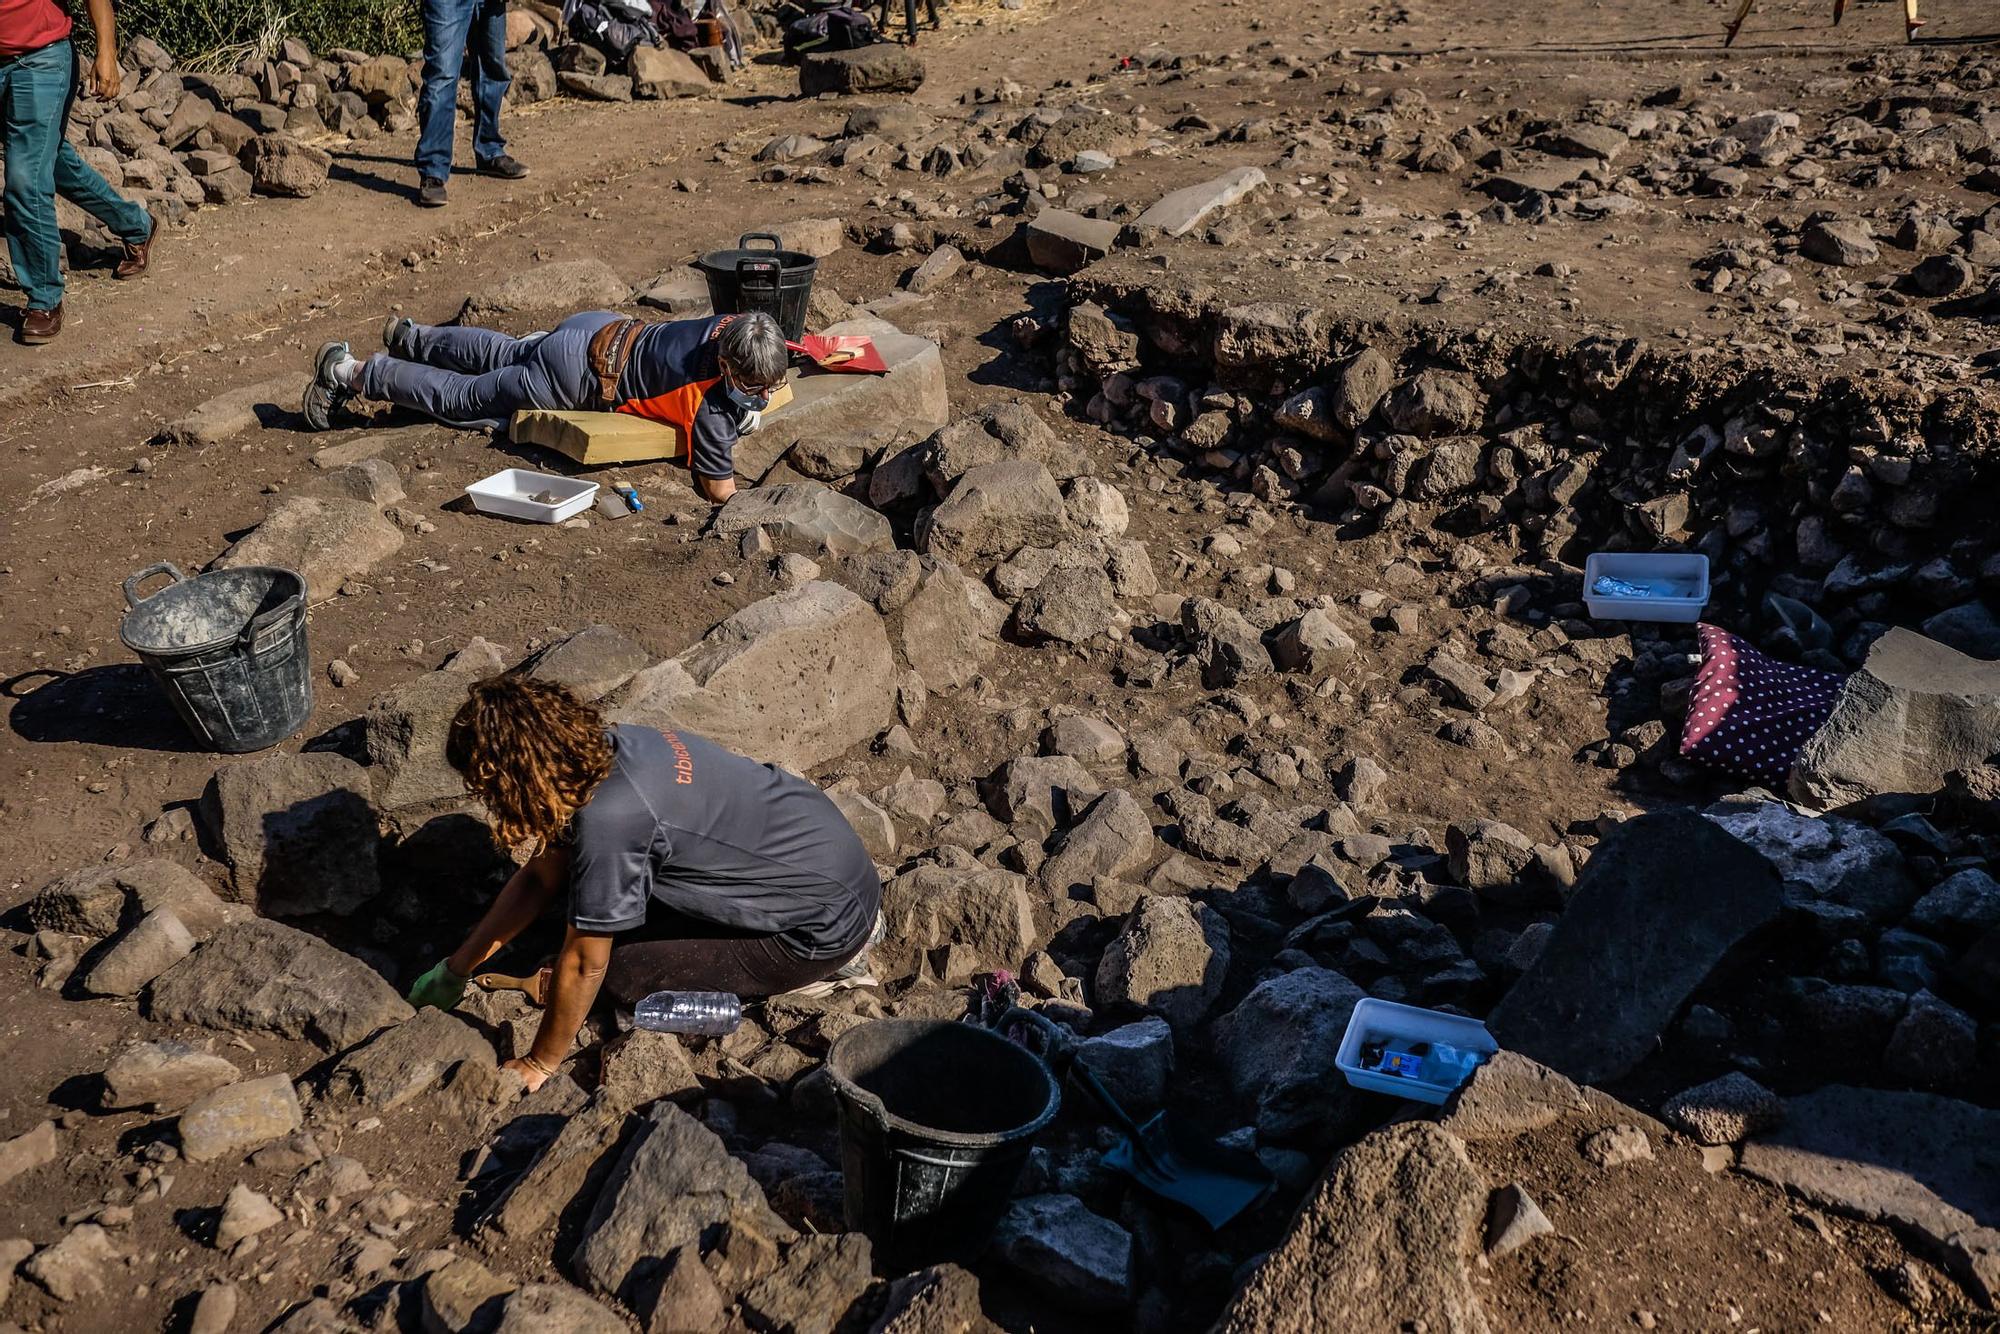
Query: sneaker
x,y
430,192
506,167
851,975
328,393
398,333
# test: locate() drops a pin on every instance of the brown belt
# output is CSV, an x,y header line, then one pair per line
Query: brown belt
x,y
610,349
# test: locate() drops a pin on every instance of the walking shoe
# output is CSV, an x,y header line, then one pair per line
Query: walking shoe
x,y
851,975
398,333
137,256
848,977
506,167
329,392
430,192
40,326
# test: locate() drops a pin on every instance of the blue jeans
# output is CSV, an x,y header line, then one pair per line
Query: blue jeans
x,y
35,93
454,30
481,377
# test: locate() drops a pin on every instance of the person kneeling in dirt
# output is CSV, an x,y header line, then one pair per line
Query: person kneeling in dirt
x,y
708,378
683,866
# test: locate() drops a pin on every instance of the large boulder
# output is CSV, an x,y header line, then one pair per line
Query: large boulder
x,y
949,626
281,165
236,1118
1080,1260
1914,712
327,540
163,1075
1435,402
661,71
404,730
994,511
1823,860
1920,1163
985,911
234,411
864,412
591,663
1114,838
816,1287
1187,208
792,680
808,514
1063,242
1389,1241
1277,1048
98,900
299,833
1170,958
266,978
674,1185
566,285
578,1157
1664,899
402,1062
881,68
993,434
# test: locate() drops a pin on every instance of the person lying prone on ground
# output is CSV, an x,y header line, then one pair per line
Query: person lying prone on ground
x,y
683,866
708,378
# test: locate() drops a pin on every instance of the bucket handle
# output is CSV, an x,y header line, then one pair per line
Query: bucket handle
x,y
132,598
743,241
1059,1054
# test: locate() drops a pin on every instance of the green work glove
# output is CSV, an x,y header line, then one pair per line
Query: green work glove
x,y
440,987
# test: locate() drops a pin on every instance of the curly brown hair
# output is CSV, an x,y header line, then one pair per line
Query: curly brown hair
x,y
531,751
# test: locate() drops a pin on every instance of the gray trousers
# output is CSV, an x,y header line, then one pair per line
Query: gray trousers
x,y
481,377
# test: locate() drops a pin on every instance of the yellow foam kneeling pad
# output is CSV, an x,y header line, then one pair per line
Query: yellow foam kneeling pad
x,y
595,439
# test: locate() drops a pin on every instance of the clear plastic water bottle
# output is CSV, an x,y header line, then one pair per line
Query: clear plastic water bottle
x,y
696,1013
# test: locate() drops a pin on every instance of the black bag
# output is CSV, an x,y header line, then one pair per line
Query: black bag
x,y
837,29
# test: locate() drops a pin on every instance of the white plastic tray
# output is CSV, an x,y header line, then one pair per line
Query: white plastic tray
x,y
1684,572
507,492
1374,1019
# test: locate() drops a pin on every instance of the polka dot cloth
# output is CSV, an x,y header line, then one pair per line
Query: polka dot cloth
x,y
1749,714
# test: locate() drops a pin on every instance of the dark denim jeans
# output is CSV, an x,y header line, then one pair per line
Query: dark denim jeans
x,y
35,93
456,31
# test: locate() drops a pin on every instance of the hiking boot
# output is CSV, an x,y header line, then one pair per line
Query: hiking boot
x,y
399,337
137,256
506,167
40,326
329,392
430,192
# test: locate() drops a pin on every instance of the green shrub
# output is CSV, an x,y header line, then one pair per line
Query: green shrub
x,y
219,33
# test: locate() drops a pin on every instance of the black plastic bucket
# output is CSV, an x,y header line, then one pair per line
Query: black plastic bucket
x,y
936,1120
770,278
229,648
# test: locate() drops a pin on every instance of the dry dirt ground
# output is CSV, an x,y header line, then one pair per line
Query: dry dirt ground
x,y
91,756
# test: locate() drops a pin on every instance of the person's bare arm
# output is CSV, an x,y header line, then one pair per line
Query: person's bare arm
x,y
573,984
105,78
528,892
715,490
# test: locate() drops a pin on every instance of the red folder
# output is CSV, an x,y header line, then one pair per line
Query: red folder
x,y
842,352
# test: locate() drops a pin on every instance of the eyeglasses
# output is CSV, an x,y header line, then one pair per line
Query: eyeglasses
x,y
741,385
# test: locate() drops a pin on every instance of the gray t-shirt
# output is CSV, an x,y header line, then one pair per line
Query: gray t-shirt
x,y
719,837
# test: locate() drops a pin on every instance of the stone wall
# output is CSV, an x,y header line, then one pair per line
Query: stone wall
x,y
1868,500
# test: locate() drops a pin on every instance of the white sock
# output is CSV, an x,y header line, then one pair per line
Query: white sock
x,y
347,372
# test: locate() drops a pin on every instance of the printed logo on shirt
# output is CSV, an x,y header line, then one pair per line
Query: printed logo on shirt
x,y
683,762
